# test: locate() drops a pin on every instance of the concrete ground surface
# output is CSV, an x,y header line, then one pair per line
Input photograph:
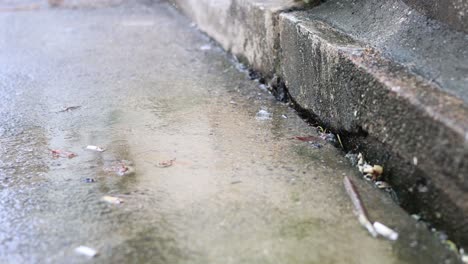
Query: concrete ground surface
x,y
151,88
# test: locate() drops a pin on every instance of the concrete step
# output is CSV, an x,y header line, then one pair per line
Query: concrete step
x,y
389,80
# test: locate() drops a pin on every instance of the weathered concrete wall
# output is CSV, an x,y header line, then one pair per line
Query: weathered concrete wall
x,y
452,12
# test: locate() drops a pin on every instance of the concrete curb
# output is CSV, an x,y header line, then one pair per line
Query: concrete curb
x,y
246,29
397,117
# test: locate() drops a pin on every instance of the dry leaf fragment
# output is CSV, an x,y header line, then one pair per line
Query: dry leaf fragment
x,y
166,163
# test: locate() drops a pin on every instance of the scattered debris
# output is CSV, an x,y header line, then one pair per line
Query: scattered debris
x,y
463,256
263,87
385,231
284,116
56,153
307,138
87,251
374,229
339,141
359,206
236,182
69,108
90,180
330,137
232,102
166,163
124,169
353,158
316,145
452,246
205,47
263,115
372,173
254,75
382,185
422,188
312,140
112,199
416,217
95,148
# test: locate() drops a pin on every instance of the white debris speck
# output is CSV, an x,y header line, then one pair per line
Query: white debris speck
x,y
382,184
263,115
367,169
95,148
284,116
385,231
415,161
87,251
416,217
422,189
112,200
205,47
464,256
395,88
232,102
263,87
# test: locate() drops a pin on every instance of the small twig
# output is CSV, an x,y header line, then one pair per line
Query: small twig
x,y
359,206
339,140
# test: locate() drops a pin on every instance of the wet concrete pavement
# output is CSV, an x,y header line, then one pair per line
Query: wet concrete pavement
x,y
152,88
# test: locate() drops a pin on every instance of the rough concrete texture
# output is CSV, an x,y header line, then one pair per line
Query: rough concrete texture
x,y
241,190
244,28
452,12
390,79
